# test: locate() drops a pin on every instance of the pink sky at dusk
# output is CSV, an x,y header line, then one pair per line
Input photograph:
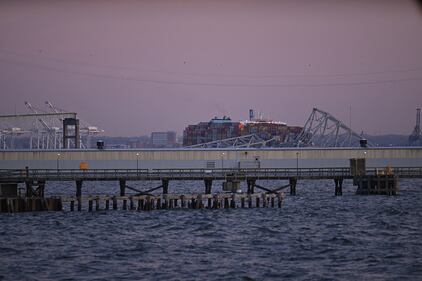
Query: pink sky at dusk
x,y
132,67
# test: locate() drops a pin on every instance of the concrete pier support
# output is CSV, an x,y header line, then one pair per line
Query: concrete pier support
x,y
122,183
28,185
208,186
78,188
251,185
40,189
165,183
338,186
293,182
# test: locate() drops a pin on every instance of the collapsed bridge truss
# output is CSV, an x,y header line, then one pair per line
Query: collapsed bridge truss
x,y
324,130
320,130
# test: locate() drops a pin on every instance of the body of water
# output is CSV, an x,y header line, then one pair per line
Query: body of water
x,y
314,236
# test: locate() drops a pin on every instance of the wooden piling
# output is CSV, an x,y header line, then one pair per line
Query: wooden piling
x,y
293,182
233,201
226,203
280,200
72,205
166,202
148,203
89,205
199,203
139,204
264,200
338,186
114,200
131,203
215,201
97,204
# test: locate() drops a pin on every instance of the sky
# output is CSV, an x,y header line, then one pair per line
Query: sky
x,y
133,67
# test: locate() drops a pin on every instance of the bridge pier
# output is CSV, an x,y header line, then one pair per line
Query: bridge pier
x,y
208,186
165,183
293,182
251,185
122,183
338,186
78,188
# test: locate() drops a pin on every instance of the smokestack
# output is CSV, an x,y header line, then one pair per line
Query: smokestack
x,y
251,115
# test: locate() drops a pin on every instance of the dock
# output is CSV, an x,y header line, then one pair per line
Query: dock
x,y
143,202
374,171
368,182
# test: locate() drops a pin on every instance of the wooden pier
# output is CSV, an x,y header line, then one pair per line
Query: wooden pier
x,y
143,202
368,181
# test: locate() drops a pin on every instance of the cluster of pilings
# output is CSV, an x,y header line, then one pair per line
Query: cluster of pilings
x,y
175,201
18,204
377,185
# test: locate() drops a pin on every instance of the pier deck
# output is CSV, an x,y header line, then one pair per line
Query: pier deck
x,y
24,175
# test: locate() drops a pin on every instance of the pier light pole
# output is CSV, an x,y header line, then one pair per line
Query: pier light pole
x,y
137,161
364,159
57,162
222,160
297,163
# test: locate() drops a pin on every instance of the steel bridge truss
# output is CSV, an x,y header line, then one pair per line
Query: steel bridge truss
x,y
324,130
247,141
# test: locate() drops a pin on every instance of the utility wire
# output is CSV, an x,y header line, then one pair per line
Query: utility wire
x,y
269,75
211,84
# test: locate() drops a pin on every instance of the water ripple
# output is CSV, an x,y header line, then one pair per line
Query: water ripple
x,y
315,236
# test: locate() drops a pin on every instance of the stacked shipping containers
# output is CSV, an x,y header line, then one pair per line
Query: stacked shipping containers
x,y
218,129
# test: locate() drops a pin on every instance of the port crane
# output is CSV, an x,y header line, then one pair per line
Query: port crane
x,y
86,130
47,138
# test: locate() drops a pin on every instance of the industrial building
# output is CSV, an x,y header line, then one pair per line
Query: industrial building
x,y
224,128
163,139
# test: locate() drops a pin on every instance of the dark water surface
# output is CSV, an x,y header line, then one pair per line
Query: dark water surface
x,y
315,236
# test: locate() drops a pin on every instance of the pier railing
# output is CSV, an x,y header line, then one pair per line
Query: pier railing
x,y
21,175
